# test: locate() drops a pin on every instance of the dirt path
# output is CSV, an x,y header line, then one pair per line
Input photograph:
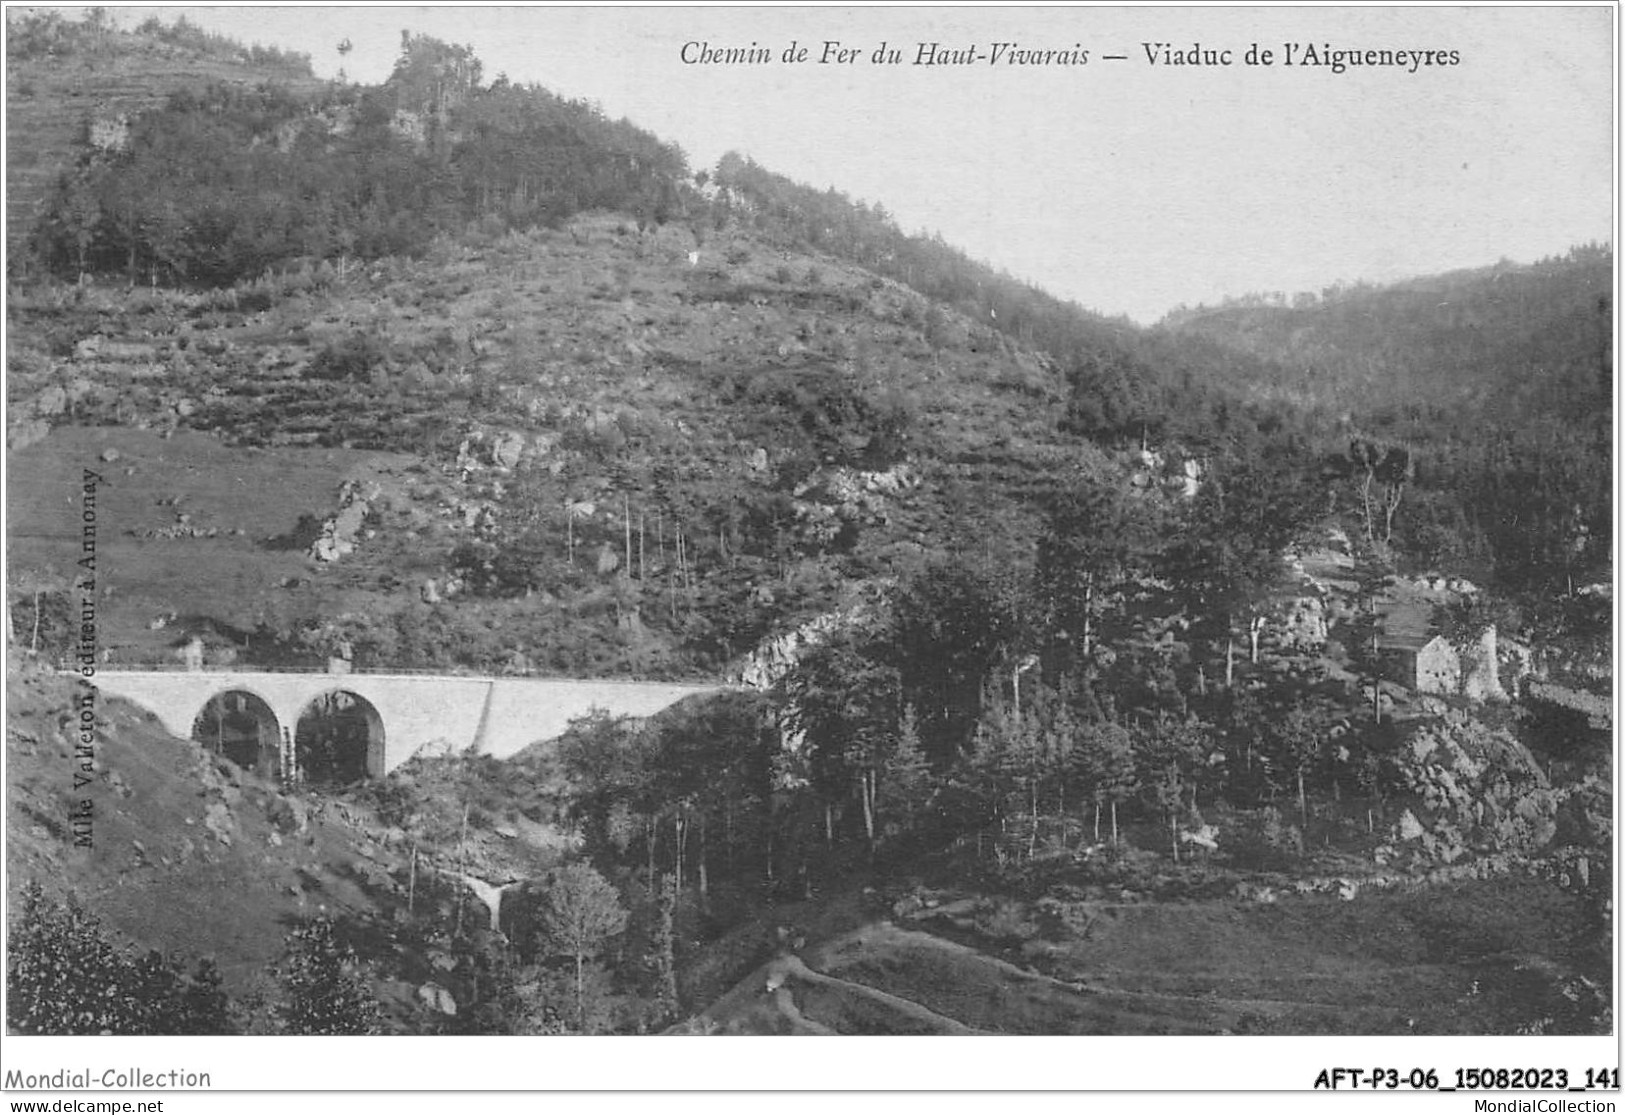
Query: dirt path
x,y
1481,957
882,979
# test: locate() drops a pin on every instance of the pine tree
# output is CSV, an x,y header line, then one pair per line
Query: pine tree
x,y
906,786
665,953
1095,541
1105,759
1173,758
1299,737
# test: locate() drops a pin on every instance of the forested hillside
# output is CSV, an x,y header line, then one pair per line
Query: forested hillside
x,y
64,77
224,181
1490,382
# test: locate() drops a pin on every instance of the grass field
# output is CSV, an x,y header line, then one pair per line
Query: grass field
x,y
246,496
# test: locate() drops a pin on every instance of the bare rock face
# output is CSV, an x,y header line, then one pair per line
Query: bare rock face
x,y
1481,671
328,547
217,819
776,655
289,815
341,532
347,524
1469,791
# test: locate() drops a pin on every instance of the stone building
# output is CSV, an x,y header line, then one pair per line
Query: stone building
x,y
1426,664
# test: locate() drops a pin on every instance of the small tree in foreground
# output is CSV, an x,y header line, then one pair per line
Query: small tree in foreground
x,y
906,790
579,913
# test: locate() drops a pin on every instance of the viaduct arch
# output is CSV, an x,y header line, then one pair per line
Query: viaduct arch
x,y
241,725
339,737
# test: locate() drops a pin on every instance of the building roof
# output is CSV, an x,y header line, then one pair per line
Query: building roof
x,y
1407,618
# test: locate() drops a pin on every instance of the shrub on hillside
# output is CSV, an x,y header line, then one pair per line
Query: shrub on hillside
x,y
351,358
1262,841
1005,921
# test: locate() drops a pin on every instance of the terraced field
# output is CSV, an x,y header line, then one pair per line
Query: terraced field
x,y
1424,960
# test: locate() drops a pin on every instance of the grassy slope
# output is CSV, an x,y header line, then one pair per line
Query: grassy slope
x,y
158,873
194,857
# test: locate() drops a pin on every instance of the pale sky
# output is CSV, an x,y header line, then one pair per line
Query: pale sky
x,y
1127,186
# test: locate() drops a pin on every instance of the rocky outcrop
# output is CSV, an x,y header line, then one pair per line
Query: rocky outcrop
x,y
1301,624
833,497
437,998
500,449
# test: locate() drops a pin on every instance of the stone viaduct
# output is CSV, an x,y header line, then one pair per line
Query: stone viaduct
x,y
402,714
